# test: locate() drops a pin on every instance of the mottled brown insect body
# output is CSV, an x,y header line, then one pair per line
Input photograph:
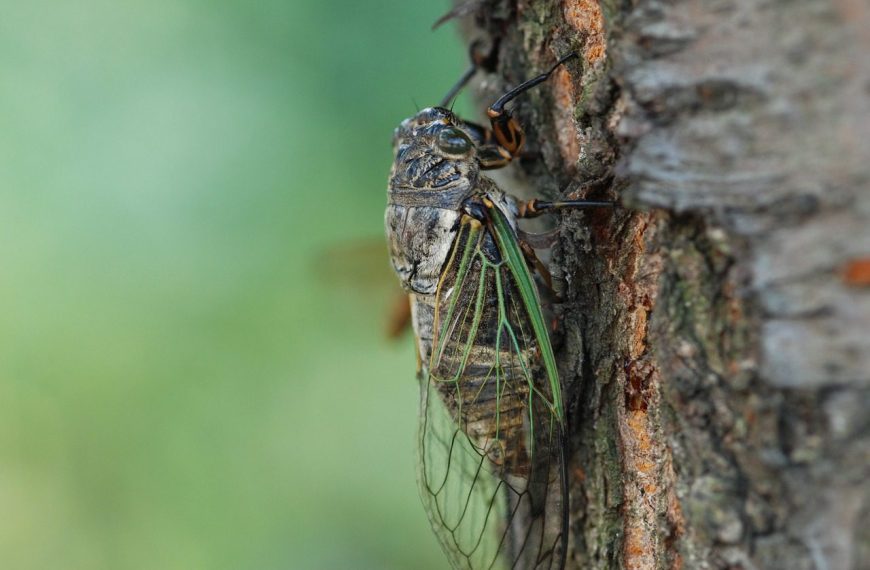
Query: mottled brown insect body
x,y
425,224
478,354
492,462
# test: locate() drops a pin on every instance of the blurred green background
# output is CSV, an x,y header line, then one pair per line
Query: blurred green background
x,y
189,378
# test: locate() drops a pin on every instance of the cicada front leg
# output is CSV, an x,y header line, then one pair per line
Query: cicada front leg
x,y
503,141
506,129
499,144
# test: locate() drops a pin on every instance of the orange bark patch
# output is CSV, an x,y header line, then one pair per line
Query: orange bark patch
x,y
649,501
640,456
639,327
856,272
638,376
638,297
566,130
585,17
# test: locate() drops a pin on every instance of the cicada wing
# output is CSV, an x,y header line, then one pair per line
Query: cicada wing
x,y
492,469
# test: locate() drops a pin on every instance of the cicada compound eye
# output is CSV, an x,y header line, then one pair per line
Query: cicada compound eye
x,y
453,141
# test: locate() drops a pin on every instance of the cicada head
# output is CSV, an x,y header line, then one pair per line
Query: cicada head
x,y
434,171
433,151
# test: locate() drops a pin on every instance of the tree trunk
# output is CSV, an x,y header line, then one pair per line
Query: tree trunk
x,y
714,331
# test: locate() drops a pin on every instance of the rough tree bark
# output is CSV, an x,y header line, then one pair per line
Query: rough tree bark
x,y
715,330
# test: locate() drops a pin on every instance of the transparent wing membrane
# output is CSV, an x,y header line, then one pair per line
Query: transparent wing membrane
x,y
491,465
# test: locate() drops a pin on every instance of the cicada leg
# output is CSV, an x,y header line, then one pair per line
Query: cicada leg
x,y
479,60
528,241
498,145
535,207
508,133
490,154
459,10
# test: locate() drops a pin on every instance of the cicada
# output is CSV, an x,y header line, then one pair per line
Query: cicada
x,y
492,461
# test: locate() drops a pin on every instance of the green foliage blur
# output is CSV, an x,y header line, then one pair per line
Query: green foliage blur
x,y
193,369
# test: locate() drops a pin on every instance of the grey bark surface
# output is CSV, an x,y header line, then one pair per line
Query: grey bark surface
x,y
715,332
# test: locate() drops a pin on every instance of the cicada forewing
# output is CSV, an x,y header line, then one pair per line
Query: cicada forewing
x,y
492,463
